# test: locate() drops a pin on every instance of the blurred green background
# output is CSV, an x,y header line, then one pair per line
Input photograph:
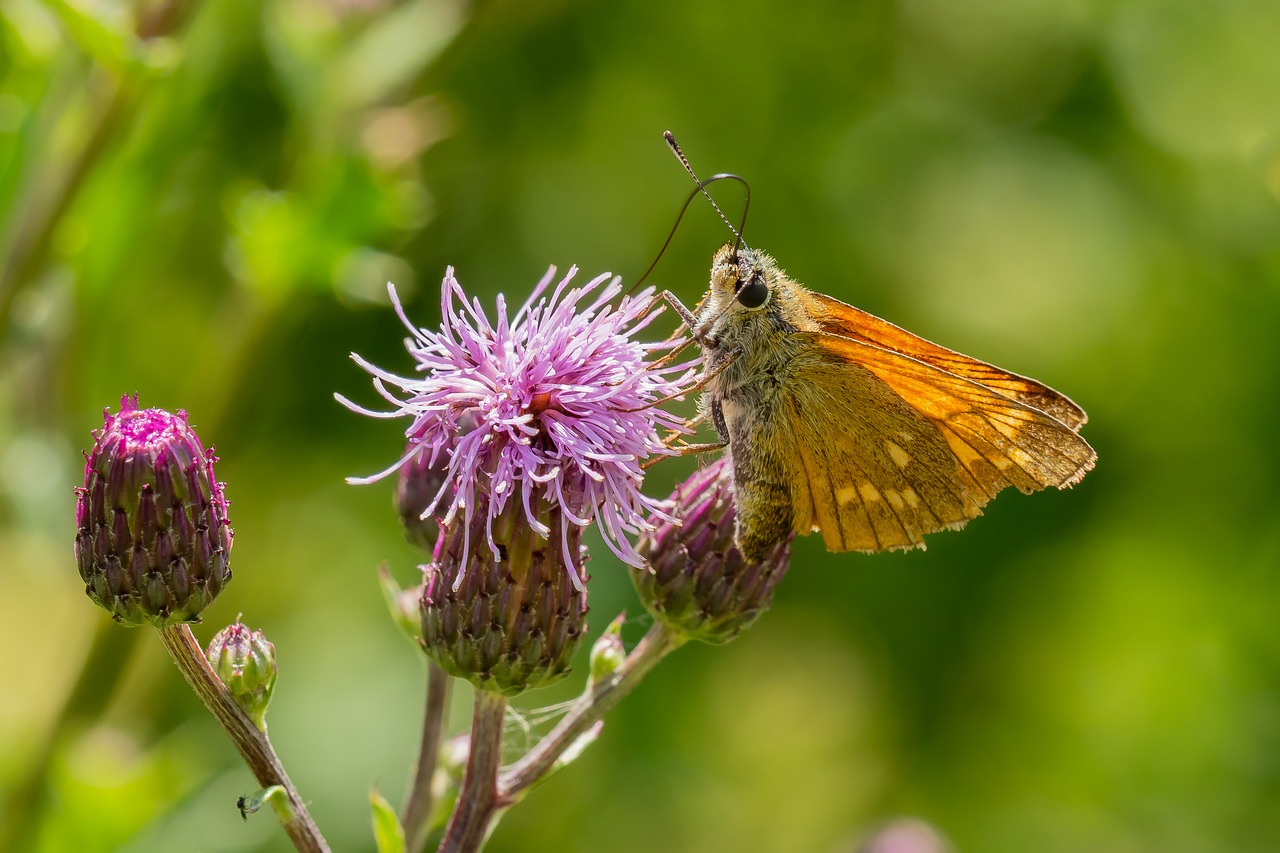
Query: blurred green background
x,y
201,202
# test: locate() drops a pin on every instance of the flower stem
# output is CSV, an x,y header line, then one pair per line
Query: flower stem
x,y
253,745
417,807
587,710
479,802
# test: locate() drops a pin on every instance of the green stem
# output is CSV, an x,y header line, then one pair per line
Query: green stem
x,y
254,746
587,710
479,802
417,808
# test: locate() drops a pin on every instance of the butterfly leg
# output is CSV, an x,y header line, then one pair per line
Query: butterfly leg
x,y
688,428
686,450
703,382
685,315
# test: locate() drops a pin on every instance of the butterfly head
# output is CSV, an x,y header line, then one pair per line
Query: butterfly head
x,y
743,275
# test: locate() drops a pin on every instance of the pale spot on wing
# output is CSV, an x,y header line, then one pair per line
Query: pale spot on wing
x,y
894,498
966,454
869,492
846,495
1004,463
900,457
913,500
906,437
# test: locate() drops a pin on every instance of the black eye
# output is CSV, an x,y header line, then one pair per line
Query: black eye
x,y
753,293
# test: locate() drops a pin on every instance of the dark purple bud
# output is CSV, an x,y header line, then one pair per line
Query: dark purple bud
x,y
695,580
152,540
418,488
511,621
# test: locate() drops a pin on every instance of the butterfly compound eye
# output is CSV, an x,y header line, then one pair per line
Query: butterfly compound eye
x,y
753,294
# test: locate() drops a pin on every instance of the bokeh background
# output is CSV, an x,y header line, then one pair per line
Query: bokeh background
x,y
201,201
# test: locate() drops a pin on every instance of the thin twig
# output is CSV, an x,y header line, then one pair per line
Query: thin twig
x,y
589,708
253,745
479,802
417,807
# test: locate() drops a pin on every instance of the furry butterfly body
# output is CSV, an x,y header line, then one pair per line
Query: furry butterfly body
x,y
840,422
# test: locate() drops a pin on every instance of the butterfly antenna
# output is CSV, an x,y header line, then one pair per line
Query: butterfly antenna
x,y
700,188
702,185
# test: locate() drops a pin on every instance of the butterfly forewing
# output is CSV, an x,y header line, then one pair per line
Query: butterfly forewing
x,y
835,317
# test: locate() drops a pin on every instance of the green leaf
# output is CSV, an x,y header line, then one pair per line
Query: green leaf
x,y
274,796
388,834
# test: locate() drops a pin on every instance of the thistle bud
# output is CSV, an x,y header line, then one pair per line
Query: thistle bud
x,y
404,604
695,580
508,621
153,540
246,664
608,653
417,488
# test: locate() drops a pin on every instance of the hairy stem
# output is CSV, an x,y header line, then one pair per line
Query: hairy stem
x,y
417,807
587,710
479,802
253,745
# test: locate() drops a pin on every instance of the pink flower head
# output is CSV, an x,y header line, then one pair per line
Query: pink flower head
x,y
556,401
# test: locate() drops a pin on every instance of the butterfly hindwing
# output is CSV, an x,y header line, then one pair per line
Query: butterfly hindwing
x,y
883,479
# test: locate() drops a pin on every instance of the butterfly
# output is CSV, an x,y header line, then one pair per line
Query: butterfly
x,y
839,422
843,423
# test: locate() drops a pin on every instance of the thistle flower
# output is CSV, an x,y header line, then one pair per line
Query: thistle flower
x,y
152,540
695,579
246,663
534,425
557,399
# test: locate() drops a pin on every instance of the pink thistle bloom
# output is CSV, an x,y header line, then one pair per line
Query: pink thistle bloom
x,y
554,404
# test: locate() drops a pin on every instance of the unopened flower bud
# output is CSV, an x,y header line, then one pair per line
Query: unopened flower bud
x,y
509,621
246,663
608,653
417,488
405,605
695,579
153,540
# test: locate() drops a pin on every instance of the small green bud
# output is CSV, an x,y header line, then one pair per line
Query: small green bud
x,y
695,580
608,653
246,663
405,605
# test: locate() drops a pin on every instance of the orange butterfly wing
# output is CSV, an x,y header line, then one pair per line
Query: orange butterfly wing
x,y
837,318
914,448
